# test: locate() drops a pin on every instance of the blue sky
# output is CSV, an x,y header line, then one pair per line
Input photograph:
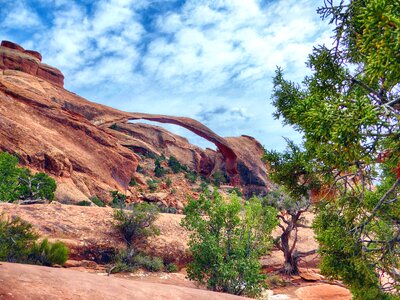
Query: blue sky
x,y
209,60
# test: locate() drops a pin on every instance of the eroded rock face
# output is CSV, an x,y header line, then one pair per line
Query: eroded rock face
x,y
70,138
83,158
14,57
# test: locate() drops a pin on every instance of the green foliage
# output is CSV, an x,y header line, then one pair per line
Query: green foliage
x,y
172,268
19,183
159,171
152,264
48,254
174,164
129,261
118,199
226,240
140,170
191,176
348,113
168,210
9,174
97,201
168,181
18,244
133,182
152,184
136,222
84,203
16,239
219,178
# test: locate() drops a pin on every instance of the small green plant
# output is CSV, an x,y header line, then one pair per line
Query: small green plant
x,y
159,171
219,178
48,254
97,201
203,187
18,244
174,164
118,199
84,203
173,191
168,181
191,176
152,264
168,210
133,182
152,184
140,170
171,268
136,222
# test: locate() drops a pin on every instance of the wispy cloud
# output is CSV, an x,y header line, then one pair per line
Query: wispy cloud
x,y
211,60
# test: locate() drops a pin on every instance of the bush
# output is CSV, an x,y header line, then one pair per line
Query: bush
x,y
136,222
174,164
152,184
18,244
227,238
84,203
16,239
172,268
133,182
129,261
191,176
152,264
168,182
159,171
219,178
48,254
97,201
119,199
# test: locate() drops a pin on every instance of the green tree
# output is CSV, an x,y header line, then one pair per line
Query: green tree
x,y
227,237
18,243
293,173
348,113
9,173
19,183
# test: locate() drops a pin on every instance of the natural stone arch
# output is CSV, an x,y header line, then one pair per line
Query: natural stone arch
x,y
202,131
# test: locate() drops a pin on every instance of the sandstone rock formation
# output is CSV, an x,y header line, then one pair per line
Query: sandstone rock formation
x,y
14,57
50,283
53,130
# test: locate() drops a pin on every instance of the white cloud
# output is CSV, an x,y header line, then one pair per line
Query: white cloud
x,y
20,16
186,60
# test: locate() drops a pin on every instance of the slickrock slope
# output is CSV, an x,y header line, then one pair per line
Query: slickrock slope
x,y
53,130
50,283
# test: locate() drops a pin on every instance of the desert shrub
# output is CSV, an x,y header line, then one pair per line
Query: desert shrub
x,y
97,201
18,244
128,261
191,176
219,178
152,184
136,222
84,203
140,170
48,254
133,182
172,268
203,187
174,164
118,199
236,191
159,171
227,237
168,181
168,210
16,238
152,264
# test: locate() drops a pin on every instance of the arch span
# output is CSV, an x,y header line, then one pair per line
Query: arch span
x,y
201,130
